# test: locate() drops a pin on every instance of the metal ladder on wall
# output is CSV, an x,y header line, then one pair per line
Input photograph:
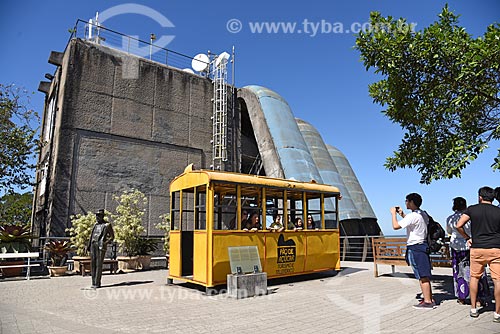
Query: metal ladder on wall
x,y
220,110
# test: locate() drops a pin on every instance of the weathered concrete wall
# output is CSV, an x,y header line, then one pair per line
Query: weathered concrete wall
x,y
125,122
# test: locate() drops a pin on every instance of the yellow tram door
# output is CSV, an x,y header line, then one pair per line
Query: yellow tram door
x,y
181,236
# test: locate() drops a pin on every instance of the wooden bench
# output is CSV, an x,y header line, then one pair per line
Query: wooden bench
x,y
389,251
23,256
392,251
86,264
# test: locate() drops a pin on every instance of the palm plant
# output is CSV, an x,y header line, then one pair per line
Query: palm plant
x,y
146,246
58,251
15,238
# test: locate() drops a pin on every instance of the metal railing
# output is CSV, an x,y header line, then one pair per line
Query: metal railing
x,y
131,45
359,248
356,248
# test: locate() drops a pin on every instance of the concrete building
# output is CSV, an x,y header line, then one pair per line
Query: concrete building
x,y
114,121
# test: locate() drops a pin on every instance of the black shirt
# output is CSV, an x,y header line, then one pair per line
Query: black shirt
x,y
485,225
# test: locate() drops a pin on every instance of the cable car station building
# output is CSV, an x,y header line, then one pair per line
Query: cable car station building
x,y
114,121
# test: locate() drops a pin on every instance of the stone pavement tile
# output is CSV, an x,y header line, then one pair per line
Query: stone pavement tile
x,y
350,302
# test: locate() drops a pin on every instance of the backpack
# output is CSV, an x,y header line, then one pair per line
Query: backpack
x,y
435,235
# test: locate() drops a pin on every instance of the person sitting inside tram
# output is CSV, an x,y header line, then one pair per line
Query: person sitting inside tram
x,y
290,225
232,223
252,223
299,224
276,226
311,225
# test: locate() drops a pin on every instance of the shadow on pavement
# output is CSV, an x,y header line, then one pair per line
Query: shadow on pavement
x,y
126,284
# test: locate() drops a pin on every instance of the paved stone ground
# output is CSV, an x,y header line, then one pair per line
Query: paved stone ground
x,y
352,301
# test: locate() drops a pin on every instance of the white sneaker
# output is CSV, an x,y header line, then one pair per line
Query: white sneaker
x,y
496,317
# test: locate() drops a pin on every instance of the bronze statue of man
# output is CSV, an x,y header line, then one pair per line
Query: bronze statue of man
x,y
101,235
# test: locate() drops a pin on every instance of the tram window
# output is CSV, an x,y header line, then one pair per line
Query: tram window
x,y
187,210
330,220
225,205
330,213
201,209
274,208
250,202
175,217
295,211
313,218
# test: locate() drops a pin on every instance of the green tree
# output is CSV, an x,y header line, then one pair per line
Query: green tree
x,y
18,138
441,85
128,220
164,225
16,208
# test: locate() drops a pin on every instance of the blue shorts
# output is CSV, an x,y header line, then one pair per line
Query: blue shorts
x,y
418,258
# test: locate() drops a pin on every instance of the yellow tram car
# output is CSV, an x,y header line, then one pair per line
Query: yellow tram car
x,y
208,212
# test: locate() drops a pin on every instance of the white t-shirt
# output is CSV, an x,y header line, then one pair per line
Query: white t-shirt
x,y
416,227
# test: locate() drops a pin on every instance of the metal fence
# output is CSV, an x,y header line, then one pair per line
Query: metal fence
x,y
359,248
132,45
356,248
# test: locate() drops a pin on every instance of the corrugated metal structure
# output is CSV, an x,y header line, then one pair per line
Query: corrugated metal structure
x,y
327,170
352,183
293,148
282,148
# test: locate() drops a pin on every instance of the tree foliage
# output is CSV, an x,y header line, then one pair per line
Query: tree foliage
x,y
81,231
16,208
18,138
128,220
441,85
164,225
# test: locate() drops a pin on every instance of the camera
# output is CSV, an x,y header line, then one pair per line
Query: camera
x,y
397,209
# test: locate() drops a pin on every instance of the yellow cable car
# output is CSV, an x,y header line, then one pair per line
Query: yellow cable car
x,y
212,210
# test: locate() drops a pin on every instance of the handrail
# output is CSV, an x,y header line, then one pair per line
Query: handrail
x,y
132,45
359,248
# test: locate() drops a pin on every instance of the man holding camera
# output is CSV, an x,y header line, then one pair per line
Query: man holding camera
x,y
417,249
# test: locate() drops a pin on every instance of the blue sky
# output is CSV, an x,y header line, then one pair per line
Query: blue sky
x,y
318,74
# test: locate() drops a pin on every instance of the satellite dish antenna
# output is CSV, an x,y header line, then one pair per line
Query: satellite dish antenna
x,y
222,59
188,70
200,62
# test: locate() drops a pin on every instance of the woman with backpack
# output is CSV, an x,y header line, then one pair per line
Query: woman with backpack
x,y
460,257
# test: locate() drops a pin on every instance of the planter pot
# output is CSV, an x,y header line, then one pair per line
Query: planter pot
x,y
144,262
76,264
12,272
127,263
57,270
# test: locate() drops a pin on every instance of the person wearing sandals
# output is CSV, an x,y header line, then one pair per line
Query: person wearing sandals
x,y
417,248
460,257
484,243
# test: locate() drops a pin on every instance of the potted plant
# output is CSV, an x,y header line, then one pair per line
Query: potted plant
x,y
145,247
164,225
14,238
58,252
127,224
79,232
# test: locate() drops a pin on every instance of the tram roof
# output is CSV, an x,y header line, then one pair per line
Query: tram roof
x,y
193,178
